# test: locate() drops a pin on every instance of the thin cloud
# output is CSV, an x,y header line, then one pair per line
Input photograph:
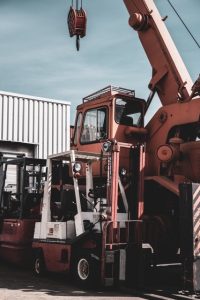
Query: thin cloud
x,y
38,57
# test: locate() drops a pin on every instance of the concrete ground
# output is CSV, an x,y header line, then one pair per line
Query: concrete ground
x,y
16,283
21,284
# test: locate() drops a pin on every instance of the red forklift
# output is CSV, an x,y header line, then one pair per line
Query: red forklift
x,y
21,190
85,229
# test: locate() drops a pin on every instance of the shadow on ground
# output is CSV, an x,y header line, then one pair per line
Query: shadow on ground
x,y
14,278
24,282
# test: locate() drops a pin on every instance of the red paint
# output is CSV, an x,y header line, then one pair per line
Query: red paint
x,y
16,239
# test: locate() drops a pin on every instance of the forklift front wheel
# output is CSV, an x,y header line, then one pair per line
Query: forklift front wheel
x,y
86,270
39,266
83,269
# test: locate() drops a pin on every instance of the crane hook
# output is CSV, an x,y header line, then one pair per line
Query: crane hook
x,y
77,20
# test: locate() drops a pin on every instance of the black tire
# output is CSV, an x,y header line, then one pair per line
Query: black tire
x,y
39,264
86,271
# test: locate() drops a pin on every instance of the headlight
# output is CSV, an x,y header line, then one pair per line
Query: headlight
x,y
107,146
123,172
77,167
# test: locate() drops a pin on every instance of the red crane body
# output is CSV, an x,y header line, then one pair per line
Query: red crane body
x,y
171,138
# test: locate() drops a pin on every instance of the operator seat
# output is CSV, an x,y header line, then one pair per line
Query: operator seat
x,y
68,205
126,120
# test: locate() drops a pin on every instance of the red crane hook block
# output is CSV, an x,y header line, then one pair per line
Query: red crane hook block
x,y
77,20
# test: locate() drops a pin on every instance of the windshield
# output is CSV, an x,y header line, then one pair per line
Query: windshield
x,y
95,125
128,112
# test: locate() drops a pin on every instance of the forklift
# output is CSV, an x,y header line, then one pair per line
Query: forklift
x,y
85,229
21,190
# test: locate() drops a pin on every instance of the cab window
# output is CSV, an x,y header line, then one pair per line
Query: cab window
x,y
128,112
77,129
94,126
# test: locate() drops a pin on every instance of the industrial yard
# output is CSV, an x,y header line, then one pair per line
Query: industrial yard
x,y
109,206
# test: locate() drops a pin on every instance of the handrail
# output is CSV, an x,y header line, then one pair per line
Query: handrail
x,y
109,89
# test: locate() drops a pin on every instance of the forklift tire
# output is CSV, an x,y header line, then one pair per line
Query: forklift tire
x,y
86,271
38,264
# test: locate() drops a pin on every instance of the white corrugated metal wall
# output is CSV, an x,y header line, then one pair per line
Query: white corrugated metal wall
x,y
37,121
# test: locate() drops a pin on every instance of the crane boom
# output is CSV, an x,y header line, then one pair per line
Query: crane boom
x,y
170,77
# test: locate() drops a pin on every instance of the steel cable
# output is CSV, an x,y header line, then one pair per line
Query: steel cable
x,y
188,30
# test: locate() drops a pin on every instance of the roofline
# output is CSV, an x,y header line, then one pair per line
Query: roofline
x,y
43,99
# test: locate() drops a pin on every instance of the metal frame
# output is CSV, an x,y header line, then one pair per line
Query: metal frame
x,y
109,89
21,162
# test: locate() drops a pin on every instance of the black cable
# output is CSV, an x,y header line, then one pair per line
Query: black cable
x,y
188,30
101,166
101,218
88,201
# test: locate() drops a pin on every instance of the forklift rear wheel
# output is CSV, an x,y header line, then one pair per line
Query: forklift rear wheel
x,y
39,266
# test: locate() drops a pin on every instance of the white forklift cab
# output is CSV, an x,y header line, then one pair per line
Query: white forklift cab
x,y
85,228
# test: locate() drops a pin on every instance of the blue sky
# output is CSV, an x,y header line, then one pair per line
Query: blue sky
x,y
37,57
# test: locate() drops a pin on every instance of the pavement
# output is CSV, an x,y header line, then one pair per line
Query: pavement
x,y
18,283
